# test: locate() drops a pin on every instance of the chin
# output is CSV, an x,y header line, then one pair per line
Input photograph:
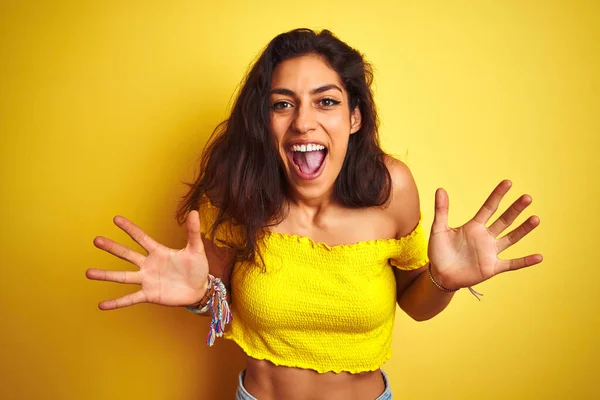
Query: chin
x,y
318,188
313,192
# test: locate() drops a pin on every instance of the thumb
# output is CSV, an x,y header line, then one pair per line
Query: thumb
x,y
192,224
440,220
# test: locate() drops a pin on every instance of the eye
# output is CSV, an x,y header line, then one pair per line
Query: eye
x,y
281,105
328,102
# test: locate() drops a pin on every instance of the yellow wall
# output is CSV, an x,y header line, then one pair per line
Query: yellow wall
x,y
105,107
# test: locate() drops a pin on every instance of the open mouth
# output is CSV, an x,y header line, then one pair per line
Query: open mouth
x,y
308,159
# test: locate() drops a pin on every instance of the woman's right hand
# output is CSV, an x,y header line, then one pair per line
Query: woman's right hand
x,y
167,276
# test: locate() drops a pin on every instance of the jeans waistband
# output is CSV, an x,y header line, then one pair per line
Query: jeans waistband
x,y
242,393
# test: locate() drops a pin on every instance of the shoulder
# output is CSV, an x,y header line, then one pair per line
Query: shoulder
x,y
404,204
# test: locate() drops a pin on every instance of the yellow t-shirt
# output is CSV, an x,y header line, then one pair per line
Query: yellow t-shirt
x,y
314,306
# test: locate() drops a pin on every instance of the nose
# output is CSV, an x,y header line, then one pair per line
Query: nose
x,y
305,119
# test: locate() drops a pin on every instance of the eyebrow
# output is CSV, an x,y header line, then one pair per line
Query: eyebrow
x,y
321,89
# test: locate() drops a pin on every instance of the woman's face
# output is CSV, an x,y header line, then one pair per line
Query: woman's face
x,y
311,123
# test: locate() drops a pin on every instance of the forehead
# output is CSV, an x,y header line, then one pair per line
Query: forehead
x,y
304,73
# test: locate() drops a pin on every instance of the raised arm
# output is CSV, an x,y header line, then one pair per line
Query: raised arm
x,y
415,293
166,276
459,257
220,263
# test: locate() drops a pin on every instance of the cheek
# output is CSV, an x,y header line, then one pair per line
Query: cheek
x,y
278,129
338,123
338,128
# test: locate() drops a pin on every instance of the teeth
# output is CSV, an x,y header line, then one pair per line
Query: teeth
x,y
307,147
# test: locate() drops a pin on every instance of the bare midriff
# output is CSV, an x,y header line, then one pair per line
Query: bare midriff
x,y
267,381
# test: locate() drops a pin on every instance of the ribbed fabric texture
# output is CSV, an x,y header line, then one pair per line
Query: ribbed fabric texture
x,y
314,306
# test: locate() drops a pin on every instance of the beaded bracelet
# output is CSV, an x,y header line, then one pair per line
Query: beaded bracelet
x,y
217,303
475,293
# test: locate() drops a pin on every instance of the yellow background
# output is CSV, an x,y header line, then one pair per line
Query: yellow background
x,y
105,107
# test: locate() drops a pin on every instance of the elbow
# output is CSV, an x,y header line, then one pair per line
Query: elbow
x,y
419,317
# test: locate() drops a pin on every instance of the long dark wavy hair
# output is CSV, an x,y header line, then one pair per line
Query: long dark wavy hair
x,y
240,168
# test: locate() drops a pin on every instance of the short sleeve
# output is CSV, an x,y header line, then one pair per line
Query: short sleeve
x,y
226,235
411,252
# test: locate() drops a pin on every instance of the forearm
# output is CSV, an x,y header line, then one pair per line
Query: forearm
x,y
422,300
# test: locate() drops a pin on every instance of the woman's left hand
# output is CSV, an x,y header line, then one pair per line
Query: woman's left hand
x,y
465,256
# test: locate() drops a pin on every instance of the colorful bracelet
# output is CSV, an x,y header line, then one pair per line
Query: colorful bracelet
x,y
475,293
217,303
210,290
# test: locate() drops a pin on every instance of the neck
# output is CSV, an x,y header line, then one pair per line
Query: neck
x,y
311,206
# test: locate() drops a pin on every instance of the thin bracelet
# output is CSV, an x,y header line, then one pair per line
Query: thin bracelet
x,y
475,293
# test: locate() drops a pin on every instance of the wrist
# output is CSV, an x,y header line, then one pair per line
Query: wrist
x,y
438,280
204,294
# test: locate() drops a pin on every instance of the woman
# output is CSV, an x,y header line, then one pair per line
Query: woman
x,y
314,231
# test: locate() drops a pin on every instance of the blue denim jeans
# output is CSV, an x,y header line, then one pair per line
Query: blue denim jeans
x,y
242,393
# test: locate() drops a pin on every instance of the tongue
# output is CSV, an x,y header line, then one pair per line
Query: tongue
x,y
310,161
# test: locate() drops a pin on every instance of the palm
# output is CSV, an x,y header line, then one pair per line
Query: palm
x,y
468,246
468,255
172,277
168,277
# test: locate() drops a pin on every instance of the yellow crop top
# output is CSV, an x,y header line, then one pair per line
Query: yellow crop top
x,y
314,306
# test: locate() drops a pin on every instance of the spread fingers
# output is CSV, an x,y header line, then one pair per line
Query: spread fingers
x,y
114,276
510,215
116,249
125,301
518,233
